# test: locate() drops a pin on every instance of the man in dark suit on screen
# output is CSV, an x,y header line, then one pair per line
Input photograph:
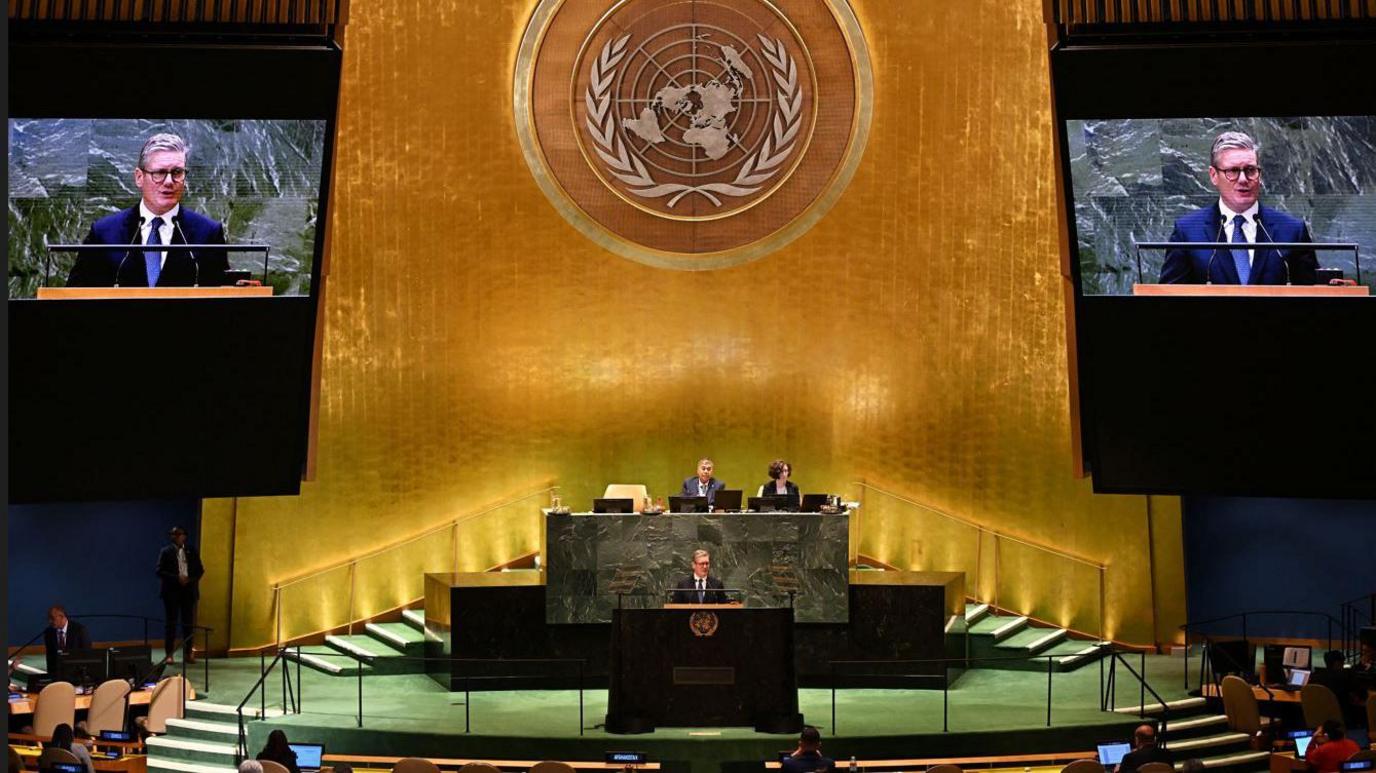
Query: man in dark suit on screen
x,y
700,587
703,484
158,219
179,573
63,634
1239,218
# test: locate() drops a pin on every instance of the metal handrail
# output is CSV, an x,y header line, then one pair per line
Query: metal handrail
x,y
181,643
353,562
260,687
999,536
1242,616
1108,693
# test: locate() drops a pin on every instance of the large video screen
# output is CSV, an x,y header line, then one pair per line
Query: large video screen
x,y
1156,180
109,181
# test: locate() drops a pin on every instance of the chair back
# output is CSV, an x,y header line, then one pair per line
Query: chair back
x,y
166,703
1083,766
1240,704
56,706
417,765
109,706
940,768
479,767
1319,704
51,756
1155,767
632,491
550,766
273,767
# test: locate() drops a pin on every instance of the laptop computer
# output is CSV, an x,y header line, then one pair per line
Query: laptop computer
x,y
613,506
773,503
688,504
812,503
63,767
1298,679
309,756
727,499
1112,752
1302,745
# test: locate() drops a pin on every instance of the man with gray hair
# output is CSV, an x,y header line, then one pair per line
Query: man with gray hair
x,y
1238,218
703,484
158,219
700,587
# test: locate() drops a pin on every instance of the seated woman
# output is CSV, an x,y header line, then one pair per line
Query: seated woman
x,y
279,751
779,483
64,739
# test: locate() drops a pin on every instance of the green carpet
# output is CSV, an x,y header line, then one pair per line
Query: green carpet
x,y
989,712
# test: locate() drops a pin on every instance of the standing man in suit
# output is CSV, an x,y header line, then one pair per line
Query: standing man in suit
x,y
179,572
158,218
703,484
700,587
62,635
1239,218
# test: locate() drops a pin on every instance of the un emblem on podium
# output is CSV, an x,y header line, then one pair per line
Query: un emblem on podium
x,y
703,623
693,134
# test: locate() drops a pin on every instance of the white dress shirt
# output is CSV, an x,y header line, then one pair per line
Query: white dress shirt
x,y
181,563
1249,227
165,231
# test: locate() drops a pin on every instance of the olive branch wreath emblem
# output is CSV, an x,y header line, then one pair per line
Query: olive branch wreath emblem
x,y
757,169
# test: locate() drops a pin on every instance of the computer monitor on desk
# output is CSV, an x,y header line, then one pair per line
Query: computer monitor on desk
x,y
688,504
620,506
774,503
727,500
83,668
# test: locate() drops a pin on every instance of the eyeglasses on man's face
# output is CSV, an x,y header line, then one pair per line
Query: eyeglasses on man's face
x,y
1247,172
160,175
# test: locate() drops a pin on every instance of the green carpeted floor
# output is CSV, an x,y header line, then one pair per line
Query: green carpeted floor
x,y
989,712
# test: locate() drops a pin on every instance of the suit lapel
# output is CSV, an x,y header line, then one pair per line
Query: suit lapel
x,y
1223,271
131,257
1262,254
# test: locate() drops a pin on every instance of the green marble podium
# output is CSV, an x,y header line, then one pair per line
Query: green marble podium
x,y
584,552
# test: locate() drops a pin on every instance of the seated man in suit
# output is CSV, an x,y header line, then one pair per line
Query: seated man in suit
x,y
807,758
157,219
61,635
703,484
1238,217
701,587
1144,750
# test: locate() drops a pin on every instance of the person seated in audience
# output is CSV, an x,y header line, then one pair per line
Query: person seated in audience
x,y
700,587
250,766
1144,750
1330,747
278,750
807,758
703,484
64,739
1366,662
16,762
62,635
1350,695
779,484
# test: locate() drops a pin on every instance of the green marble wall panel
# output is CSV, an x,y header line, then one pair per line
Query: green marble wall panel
x,y
584,552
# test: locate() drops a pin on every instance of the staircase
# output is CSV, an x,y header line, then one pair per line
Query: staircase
x,y
1195,731
994,635
380,649
202,742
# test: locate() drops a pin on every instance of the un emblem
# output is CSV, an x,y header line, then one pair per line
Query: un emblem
x,y
703,623
693,134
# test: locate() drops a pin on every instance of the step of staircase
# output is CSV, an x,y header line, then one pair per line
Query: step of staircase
x,y
177,766
1178,729
167,747
220,712
399,635
383,657
1152,707
1033,641
225,731
326,660
414,618
974,612
1193,747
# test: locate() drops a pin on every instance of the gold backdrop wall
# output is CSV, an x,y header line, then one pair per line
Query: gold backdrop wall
x,y
478,347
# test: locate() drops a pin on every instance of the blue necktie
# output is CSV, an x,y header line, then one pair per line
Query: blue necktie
x,y
152,259
702,597
1240,257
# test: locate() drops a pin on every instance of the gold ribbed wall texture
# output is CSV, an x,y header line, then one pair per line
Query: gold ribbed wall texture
x,y
477,347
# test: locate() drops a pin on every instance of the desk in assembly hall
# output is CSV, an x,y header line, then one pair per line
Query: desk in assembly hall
x,y
26,704
30,748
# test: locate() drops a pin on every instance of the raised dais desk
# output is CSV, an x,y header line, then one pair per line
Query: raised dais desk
x,y
584,551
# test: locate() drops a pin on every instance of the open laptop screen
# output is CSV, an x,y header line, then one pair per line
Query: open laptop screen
x,y
1111,752
308,755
